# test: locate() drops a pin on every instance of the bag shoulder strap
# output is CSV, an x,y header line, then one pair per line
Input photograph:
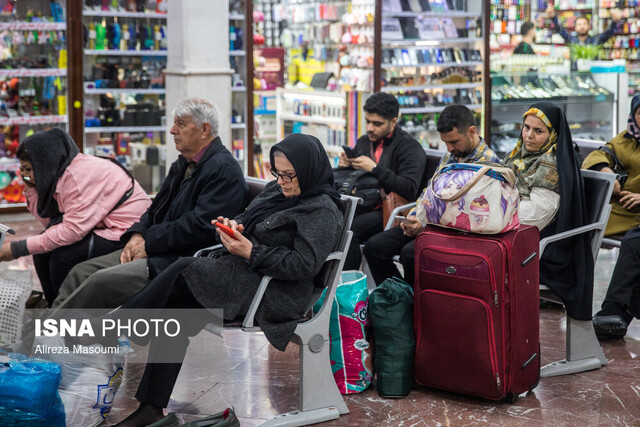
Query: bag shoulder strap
x,y
617,164
508,174
127,193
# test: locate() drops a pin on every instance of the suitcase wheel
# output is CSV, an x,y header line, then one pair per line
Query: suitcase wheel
x,y
511,398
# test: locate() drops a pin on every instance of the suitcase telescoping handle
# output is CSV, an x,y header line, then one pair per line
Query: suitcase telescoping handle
x,y
505,172
529,259
529,360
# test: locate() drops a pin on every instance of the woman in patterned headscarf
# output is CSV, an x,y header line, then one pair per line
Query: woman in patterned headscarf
x,y
534,161
552,197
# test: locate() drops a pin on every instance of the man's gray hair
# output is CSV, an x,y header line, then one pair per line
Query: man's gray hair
x,y
200,111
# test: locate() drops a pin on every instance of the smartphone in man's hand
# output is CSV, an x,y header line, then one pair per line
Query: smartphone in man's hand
x,y
350,152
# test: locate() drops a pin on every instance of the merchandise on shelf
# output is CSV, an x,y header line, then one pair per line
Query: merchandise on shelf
x,y
126,73
524,63
624,44
124,86
528,88
507,17
399,78
417,57
268,68
125,6
431,58
436,6
325,36
335,118
239,61
117,29
33,82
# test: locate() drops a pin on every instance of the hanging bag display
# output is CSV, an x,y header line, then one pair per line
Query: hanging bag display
x,y
479,198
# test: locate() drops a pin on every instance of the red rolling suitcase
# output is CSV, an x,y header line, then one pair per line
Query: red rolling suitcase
x,y
477,312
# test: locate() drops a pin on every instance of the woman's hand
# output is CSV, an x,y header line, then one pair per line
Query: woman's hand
x,y
629,200
238,244
617,188
5,252
232,224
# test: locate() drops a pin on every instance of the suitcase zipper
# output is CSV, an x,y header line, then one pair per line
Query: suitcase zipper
x,y
486,259
492,339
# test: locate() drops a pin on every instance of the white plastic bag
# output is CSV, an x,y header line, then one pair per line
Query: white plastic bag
x,y
89,381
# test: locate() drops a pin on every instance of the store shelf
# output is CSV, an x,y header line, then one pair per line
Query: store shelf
x,y
313,119
116,52
37,26
238,126
418,110
236,17
105,13
557,100
301,23
430,42
121,91
436,86
446,14
33,72
441,64
237,53
238,89
120,129
32,120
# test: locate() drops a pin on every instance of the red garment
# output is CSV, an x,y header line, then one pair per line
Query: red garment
x,y
378,152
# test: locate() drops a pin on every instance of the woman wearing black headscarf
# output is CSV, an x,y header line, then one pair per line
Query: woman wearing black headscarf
x,y
625,203
566,265
85,203
287,232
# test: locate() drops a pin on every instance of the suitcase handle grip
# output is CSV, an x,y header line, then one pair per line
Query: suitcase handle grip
x,y
529,360
529,259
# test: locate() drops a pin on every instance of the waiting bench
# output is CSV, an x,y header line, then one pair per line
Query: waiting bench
x,y
319,399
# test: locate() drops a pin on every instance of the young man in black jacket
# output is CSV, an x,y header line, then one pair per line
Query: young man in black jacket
x,y
204,183
457,129
393,156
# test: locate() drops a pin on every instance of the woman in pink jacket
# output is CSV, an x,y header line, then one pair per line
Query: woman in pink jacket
x,y
84,202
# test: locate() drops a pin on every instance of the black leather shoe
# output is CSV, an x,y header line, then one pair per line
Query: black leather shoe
x,y
610,327
226,418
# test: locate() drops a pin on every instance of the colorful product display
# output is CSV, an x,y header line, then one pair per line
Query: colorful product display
x,y
431,58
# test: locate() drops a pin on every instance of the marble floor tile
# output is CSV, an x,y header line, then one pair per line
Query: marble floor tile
x,y
242,370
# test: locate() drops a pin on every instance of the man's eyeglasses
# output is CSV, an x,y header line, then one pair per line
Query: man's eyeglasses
x,y
285,178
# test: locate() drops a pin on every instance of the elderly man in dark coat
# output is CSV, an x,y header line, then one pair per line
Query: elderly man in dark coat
x,y
205,182
287,232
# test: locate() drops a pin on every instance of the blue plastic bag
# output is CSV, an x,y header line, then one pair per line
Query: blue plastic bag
x,y
29,392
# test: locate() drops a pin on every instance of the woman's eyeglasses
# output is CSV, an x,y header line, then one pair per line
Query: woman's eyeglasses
x,y
285,178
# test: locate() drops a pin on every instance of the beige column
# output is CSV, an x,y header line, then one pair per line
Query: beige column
x,y
198,61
